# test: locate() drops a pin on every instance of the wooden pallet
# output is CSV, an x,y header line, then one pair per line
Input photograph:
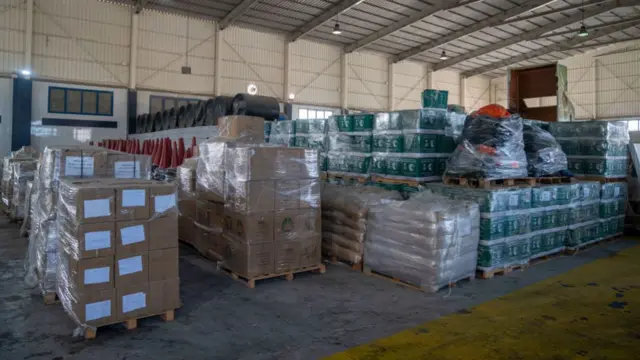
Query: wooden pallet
x,y
488,274
130,324
383,180
354,266
50,298
592,245
602,179
367,270
489,183
556,180
250,282
544,258
349,179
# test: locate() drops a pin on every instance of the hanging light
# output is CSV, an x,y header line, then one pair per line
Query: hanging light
x,y
443,56
336,27
583,31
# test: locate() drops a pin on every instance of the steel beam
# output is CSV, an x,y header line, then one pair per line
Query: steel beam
x,y
439,5
489,22
530,35
563,46
333,11
236,12
552,11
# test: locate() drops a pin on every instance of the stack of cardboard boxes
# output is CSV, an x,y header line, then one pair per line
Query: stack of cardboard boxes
x,y
119,249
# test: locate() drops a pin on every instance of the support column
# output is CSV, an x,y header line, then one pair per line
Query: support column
x,y
133,52
595,89
28,36
463,92
217,73
428,79
287,71
21,122
391,82
344,82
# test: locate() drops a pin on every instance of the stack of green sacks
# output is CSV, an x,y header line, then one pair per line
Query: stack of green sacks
x,y
412,144
594,148
283,133
349,144
312,134
505,223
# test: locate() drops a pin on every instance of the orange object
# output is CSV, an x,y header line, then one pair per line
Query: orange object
x,y
493,110
487,149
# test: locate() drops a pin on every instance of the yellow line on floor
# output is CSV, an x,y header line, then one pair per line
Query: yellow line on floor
x,y
591,312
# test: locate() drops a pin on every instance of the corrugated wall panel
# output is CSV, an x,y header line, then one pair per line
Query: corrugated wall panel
x,y
501,97
315,73
79,40
448,80
368,89
410,81
12,25
166,43
249,56
477,93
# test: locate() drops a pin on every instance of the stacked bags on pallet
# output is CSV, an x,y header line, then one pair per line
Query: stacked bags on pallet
x,y
429,240
350,145
345,211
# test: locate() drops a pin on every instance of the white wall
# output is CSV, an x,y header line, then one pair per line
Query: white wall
x,y
42,136
448,80
12,28
6,111
367,76
477,92
315,73
410,81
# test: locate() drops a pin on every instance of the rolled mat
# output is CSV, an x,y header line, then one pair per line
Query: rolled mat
x,y
221,106
186,120
265,107
199,114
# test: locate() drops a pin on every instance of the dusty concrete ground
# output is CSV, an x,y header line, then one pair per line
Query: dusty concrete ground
x,y
310,317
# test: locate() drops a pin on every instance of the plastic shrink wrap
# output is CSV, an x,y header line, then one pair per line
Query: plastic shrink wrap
x,y
429,240
9,164
594,148
186,180
272,219
345,211
283,133
75,161
23,172
489,148
118,256
544,154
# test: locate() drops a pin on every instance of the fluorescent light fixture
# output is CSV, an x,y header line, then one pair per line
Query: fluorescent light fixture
x,y
25,72
336,30
443,56
583,31
292,96
252,89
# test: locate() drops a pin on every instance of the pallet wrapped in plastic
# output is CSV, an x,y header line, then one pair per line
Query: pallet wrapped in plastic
x,y
73,161
428,241
23,172
210,168
489,148
345,212
10,165
544,155
30,198
283,133
186,181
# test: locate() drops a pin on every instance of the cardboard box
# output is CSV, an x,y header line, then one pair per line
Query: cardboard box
x,y
240,126
250,196
164,295
82,162
268,163
254,228
132,202
210,186
287,194
311,251
132,301
163,199
210,215
309,223
91,240
310,194
132,237
89,275
94,308
127,166
248,260
287,224
131,269
163,264
163,232
287,256
87,201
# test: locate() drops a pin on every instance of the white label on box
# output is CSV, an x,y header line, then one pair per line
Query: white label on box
x,y
132,234
164,202
134,302
96,275
585,191
97,208
133,197
78,166
545,196
513,200
97,240
97,310
130,265
126,169
616,191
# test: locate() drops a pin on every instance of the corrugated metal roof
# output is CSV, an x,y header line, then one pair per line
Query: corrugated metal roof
x,y
368,17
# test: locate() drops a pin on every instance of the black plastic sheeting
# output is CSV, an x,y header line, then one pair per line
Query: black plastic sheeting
x,y
198,113
206,105
255,105
186,120
216,108
152,122
174,115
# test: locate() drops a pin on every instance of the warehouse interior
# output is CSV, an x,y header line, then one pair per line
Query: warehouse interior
x,y
453,179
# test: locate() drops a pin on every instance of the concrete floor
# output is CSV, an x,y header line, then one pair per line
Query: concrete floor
x,y
311,317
